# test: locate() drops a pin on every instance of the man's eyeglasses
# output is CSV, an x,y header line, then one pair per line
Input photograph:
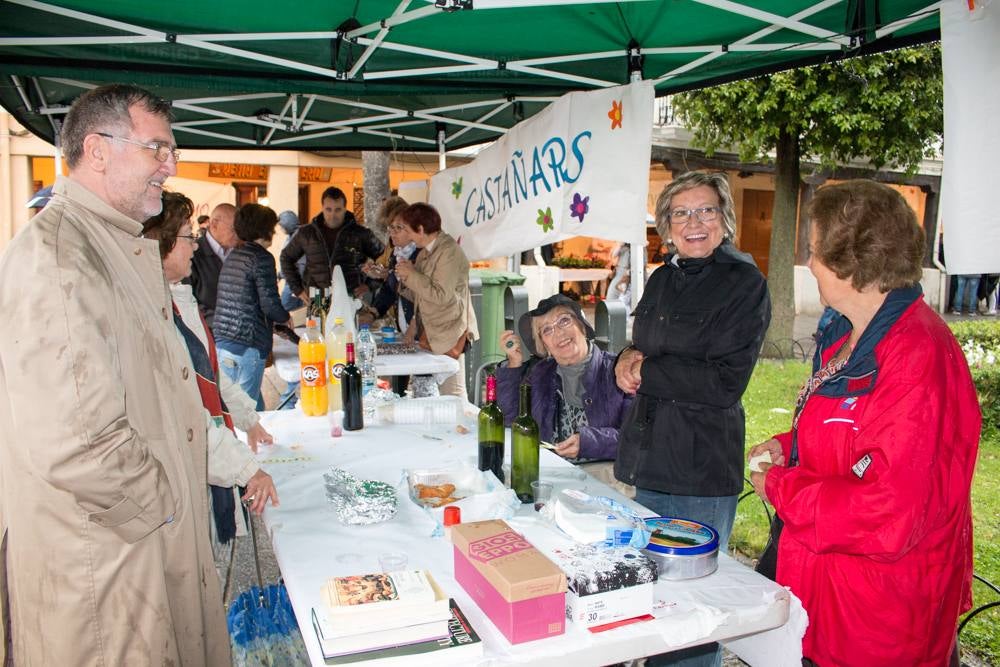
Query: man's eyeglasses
x,y
396,228
560,324
682,216
162,152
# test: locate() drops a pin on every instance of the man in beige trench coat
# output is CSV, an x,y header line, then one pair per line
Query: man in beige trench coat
x,y
103,496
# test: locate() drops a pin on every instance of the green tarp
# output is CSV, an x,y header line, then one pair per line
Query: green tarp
x,y
396,75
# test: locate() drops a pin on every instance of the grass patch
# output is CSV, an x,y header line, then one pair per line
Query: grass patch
x,y
775,385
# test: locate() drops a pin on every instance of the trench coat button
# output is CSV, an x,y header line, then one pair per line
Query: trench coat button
x,y
190,434
184,373
588,401
164,312
138,251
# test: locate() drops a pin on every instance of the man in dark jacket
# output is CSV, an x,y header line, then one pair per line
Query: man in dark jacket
x,y
213,248
334,238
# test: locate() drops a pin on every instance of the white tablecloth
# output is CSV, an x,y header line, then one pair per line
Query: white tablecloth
x,y
311,546
286,362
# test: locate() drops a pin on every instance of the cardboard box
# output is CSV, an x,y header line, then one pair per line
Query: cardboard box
x,y
515,585
606,584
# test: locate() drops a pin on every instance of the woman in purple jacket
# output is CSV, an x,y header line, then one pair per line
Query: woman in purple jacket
x,y
574,396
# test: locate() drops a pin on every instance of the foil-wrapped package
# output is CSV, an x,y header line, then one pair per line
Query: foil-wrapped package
x,y
359,502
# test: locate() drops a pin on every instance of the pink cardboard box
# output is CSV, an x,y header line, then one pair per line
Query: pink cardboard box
x,y
518,588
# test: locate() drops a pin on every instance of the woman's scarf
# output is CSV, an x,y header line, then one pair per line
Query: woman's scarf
x,y
206,368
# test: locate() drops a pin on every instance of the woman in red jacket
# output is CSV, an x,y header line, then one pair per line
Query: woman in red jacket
x,y
872,482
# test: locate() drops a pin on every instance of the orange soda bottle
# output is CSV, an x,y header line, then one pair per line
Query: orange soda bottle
x,y
314,397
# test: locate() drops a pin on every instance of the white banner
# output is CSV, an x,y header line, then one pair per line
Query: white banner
x,y
970,53
578,168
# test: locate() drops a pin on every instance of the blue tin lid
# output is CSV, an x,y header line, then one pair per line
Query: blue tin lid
x,y
680,537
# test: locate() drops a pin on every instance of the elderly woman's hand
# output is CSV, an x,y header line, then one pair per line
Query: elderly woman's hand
x,y
511,346
260,489
410,337
404,268
374,270
777,454
256,435
628,370
772,447
759,479
570,447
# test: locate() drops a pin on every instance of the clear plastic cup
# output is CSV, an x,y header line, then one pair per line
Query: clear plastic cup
x,y
392,561
542,493
336,418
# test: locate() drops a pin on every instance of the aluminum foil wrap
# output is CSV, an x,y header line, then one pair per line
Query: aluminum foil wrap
x,y
359,502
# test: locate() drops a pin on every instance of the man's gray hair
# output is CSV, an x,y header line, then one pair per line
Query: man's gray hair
x,y
105,109
716,180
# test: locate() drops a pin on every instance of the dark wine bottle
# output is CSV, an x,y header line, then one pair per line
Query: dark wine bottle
x,y
350,390
524,441
491,431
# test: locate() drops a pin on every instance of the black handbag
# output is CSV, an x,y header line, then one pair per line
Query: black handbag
x,y
767,564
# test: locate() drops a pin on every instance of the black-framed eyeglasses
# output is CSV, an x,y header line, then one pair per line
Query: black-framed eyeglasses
x,y
560,324
682,216
190,237
162,152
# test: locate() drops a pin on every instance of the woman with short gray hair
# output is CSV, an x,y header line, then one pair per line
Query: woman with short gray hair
x,y
698,330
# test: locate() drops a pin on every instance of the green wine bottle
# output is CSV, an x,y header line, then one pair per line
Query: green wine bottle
x,y
491,431
524,441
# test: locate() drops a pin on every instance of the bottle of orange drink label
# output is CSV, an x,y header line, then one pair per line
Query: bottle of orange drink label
x,y
314,397
336,355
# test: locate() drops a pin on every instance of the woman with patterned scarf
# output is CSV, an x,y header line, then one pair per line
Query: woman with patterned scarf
x,y
230,462
871,484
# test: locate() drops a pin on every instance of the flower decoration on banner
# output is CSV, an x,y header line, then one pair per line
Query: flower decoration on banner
x,y
456,188
615,114
545,219
580,206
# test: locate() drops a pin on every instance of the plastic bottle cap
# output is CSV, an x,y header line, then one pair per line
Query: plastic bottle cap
x,y
310,322
338,320
452,515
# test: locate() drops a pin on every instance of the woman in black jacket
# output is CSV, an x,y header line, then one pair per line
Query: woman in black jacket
x,y
697,332
248,303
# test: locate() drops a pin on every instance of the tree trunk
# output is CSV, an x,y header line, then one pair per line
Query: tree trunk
x,y
781,265
375,173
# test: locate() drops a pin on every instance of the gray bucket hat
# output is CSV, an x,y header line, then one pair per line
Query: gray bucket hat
x,y
526,331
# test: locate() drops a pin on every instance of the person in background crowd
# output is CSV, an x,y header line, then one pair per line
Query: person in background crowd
x,y
438,284
289,223
966,295
248,304
103,451
620,287
230,462
334,238
39,200
697,333
214,247
988,292
872,482
574,398
403,247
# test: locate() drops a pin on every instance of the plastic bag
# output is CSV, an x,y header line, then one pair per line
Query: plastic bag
x,y
596,520
480,494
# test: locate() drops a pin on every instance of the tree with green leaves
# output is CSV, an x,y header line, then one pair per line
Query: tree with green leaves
x,y
884,108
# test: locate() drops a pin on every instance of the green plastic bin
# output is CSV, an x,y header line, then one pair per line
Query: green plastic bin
x,y
491,318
